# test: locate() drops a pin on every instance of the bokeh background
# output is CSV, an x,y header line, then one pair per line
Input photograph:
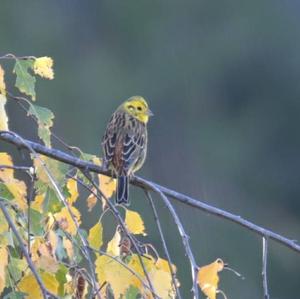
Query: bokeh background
x,y
222,78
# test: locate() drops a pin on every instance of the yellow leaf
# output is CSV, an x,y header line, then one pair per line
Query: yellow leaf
x,y
91,201
73,190
43,66
37,204
3,224
3,264
208,278
95,235
16,187
112,272
6,173
65,220
2,83
161,278
113,246
52,241
69,247
107,185
3,115
47,263
42,248
134,223
29,285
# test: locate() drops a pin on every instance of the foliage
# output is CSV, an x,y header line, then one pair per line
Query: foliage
x,y
49,222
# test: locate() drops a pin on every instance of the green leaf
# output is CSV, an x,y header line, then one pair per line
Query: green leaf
x,y
5,193
25,82
61,278
44,118
52,202
7,238
16,266
132,292
36,225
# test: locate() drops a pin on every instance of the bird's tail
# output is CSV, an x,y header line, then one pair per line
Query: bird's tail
x,y
122,190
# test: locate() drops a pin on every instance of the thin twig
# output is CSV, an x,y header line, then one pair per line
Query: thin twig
x,y
138,181
156,218
22,168
44,290
264,267
12,56
185,240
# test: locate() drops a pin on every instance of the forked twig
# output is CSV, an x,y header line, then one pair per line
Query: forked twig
x,y
156,218
185,240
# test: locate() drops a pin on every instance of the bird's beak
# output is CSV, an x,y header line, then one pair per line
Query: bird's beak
x,y
149,112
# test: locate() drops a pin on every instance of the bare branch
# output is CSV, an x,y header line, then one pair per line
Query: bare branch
x,y
138,181
264,267
173,275
45,292
185,240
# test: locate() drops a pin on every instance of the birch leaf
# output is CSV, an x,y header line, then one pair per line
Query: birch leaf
x,y
208,278
44,118
134,223
25,82
43,66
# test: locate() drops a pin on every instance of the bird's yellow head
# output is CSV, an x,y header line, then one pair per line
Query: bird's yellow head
x,y
138,108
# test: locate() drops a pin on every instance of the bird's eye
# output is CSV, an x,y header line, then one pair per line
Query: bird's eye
x,y
139,108
130,107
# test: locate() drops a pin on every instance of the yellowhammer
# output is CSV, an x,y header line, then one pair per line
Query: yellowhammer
x,y
125,142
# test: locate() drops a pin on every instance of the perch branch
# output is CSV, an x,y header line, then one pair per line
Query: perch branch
x,y
137,181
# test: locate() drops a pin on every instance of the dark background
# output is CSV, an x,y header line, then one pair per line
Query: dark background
x,y
222,78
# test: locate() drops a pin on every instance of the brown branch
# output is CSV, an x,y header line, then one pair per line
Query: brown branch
x,y
46,294
138,181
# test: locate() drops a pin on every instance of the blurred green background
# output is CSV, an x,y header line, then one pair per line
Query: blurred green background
x,y
222,78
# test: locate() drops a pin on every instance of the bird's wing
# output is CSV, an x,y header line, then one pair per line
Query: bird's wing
x,y
133,145
109,139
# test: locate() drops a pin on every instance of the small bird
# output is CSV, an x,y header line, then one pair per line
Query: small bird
x,y
125,143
